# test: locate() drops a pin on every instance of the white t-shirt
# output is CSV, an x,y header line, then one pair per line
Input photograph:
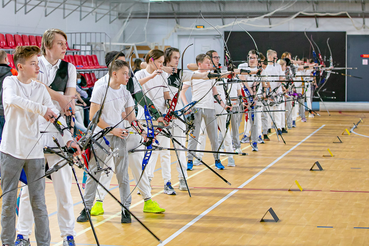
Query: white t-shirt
x,y
298,81
155,88
243,66
48,72
275,69
309,72
23,105
117,100
201,88
102,81
232,90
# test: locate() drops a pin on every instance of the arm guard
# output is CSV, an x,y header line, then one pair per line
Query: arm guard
x,y
245,71
217,99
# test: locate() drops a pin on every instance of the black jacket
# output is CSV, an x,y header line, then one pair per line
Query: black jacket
x,y
5,71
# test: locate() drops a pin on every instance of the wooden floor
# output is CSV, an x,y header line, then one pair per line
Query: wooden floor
x,y
331,209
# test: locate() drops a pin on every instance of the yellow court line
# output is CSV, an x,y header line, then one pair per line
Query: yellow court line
x,y
138,203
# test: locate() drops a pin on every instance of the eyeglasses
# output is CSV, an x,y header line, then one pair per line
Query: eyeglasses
x,y
216,57
252,58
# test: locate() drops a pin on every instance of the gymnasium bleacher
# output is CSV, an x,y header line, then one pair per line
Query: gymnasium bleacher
x,y
86,65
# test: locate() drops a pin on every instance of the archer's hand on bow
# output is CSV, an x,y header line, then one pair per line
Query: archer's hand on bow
x,y
227,107
120,133
161,120
50,115
144,136
73,145
66,103
170,70
156,72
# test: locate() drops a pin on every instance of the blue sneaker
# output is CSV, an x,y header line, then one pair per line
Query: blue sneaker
x,y
279,132
69,241
294,124
21,241
189,166
219,165
168,189
254,146
245,139
260,140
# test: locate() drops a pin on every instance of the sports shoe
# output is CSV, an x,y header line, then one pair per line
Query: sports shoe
x,y
284,130
182,185
126,217
168,189
21,241
279,132
311,116
151,206
138,193
238,150
196,162
245,139
97,209
189,166
260,140
269,130
219,165
294,124
231,162
303,119
69,241
254,146
83,216
266,138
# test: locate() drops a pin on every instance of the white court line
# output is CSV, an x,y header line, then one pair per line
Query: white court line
x,y
177,233
142,201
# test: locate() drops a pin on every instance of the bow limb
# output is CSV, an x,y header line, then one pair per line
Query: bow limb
x,y
253,40
319,54
312,46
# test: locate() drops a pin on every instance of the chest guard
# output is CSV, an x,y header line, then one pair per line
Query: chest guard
x,y
61,78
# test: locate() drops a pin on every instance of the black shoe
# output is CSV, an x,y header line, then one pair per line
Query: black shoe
x,y
269,130
266,138
126,217
284,130
83,216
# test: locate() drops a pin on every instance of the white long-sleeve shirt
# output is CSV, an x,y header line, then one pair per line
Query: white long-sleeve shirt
x,y
23,104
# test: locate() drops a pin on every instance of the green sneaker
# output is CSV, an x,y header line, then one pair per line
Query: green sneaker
x,y
152,207
97,209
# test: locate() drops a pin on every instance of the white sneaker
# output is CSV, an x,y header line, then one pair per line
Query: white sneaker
x,y
311,116
182,185
238,150
196,162
231,162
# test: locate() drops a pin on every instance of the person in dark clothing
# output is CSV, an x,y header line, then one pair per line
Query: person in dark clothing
x,y
5,71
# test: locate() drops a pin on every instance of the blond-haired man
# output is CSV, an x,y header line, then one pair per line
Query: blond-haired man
x,y
60,80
